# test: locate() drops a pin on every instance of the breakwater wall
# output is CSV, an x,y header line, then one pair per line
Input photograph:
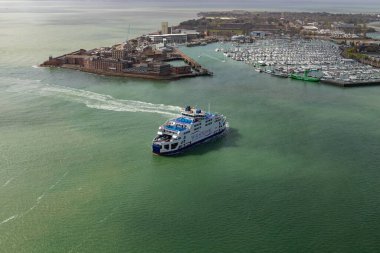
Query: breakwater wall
x,y
351,84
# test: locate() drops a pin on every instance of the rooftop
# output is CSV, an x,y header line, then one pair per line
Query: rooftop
x,y
184,120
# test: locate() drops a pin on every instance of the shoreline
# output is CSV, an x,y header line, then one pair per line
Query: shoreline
x,y
129,75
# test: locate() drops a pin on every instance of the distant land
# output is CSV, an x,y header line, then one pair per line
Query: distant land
x,y
365,6
339,6
149,56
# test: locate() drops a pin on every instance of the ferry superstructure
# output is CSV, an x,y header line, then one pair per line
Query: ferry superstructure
x,y
192,127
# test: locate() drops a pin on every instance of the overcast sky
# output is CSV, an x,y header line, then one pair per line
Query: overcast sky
x,y
216,2
352,6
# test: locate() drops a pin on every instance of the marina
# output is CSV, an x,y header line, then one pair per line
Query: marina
x,y
301,59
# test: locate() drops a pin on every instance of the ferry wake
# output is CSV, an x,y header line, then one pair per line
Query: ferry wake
x,y
192,127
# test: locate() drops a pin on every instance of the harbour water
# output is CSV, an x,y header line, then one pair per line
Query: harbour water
x,y
297,172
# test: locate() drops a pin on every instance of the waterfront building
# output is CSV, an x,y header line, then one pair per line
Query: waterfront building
x,y
170,38
309,28
54,62
75,59
152,68
119,54
181,70
93,63
191,34
312,24
161,69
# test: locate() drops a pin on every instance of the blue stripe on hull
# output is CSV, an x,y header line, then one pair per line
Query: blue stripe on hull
x,y
176,152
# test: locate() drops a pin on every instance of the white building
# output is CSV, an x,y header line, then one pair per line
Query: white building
x,y
310,28
170,38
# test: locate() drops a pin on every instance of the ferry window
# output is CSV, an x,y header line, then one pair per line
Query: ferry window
x,y
174,145
166,146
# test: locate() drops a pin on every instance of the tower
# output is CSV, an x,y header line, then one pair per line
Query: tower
x,y
164,27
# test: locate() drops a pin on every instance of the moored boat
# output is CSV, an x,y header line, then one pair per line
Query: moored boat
x,y
280,74
305,77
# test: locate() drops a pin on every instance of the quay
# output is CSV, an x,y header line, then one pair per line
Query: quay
x,y
351,84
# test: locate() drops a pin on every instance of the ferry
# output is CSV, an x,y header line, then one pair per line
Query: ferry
x,y
192,127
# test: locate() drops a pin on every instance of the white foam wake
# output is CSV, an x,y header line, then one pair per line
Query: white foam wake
x,y
40,198
6,183
58,181
9,219
107,102
92,99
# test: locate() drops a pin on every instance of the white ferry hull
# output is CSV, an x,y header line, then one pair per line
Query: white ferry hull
x,y
156,149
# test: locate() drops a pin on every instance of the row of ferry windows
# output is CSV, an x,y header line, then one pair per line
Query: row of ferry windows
x,y
173,146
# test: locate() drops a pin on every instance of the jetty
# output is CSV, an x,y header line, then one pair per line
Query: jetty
x,y
192,63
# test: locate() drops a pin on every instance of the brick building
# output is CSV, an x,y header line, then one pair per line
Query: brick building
x,y
119,54
105,64
181,70
162,69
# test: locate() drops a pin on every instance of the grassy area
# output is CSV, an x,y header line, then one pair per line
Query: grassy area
x,y
353,54
363,58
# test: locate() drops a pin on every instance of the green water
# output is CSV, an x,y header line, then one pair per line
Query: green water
x,y
297,172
